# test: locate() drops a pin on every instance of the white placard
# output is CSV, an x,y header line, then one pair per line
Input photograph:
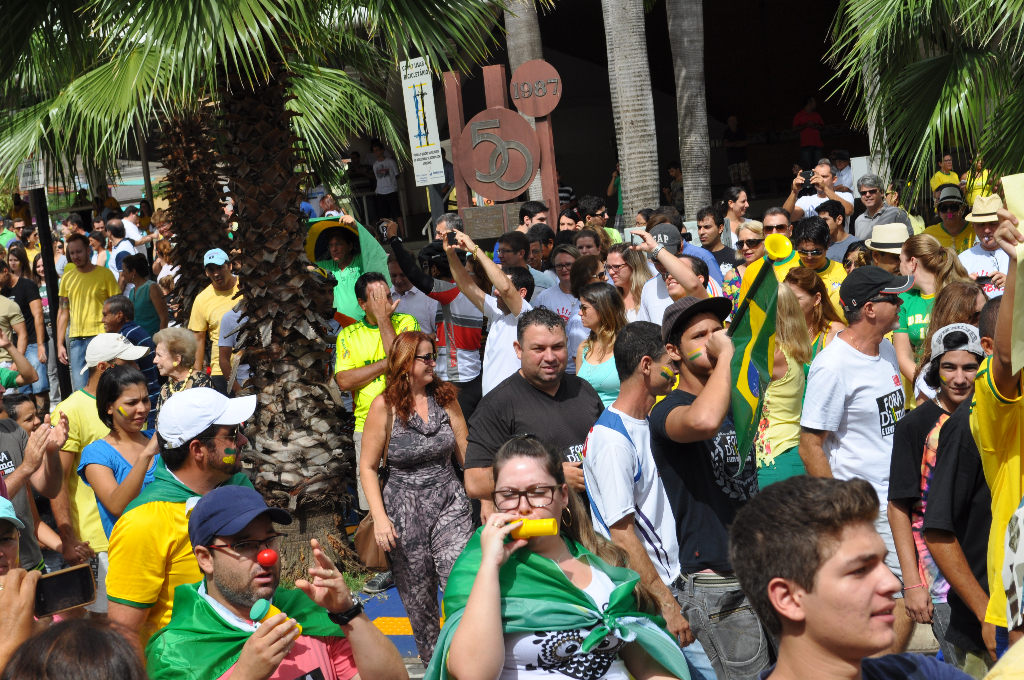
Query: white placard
x,y
424,138
32,174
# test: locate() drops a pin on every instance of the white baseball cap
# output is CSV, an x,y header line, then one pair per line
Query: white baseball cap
x,y
110,346
186,414
972,344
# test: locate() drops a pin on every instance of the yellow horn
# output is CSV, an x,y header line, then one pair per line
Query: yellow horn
x,y
778,246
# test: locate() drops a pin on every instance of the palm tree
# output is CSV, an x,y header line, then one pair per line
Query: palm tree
x,y
522,37
632,104
686,35
274,74
928,76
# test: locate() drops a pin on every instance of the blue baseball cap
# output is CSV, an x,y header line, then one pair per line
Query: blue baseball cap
x,y
7,513
215,256
227,510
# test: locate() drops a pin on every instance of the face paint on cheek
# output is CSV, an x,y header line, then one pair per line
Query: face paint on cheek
x,y
229,459
693,356
124,414
667,375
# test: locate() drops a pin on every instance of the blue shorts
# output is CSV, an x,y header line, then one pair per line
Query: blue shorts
x,y
43,384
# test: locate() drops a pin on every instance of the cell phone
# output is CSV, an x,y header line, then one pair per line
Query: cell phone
x,y
982,280
66,589
382,230
807,175
636,238
452,239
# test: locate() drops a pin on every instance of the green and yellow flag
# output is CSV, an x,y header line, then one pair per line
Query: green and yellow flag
x,y
753,336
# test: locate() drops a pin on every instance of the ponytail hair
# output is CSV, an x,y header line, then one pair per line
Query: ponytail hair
x,y
941,262
731,195
578,526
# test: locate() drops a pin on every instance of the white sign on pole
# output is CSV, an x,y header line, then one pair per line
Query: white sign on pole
x,y
424,139
31,174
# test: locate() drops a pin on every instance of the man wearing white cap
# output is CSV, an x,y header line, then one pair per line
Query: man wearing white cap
x,y
209,308
150,552
74,508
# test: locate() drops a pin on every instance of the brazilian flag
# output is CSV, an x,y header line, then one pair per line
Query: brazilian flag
x,y
753,336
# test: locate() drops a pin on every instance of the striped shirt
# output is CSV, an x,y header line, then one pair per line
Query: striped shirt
x,y
460,326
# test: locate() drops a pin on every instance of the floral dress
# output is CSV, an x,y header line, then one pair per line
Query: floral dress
x,y
171,387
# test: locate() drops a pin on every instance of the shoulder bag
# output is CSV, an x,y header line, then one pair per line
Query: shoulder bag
x,y
371,555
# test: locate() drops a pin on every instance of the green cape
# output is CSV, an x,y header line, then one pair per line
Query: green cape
x,y
371,258
200,645
165,488
537,596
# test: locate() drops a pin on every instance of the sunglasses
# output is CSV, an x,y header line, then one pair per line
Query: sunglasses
x,y
891,299
811,253
869,192
428,358
775,228
949,208
749,243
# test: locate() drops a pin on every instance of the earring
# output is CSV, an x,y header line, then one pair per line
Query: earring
x,y
568,522
175,364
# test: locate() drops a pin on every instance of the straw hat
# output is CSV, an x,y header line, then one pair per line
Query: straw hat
x,y
985,208
888,238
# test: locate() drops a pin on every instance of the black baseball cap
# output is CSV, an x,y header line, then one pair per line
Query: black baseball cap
x,y
683,309
227,510
864,283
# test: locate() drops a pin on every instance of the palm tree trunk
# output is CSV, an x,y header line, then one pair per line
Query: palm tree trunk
x,y
196,200
522,37
297,437
632,105
686,35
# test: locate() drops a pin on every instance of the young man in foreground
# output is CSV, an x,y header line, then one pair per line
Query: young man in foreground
x,y
807,555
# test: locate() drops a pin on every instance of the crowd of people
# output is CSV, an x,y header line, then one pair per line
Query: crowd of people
x,y
580,373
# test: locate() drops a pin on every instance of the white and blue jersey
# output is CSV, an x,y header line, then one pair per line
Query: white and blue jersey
x,y
622,480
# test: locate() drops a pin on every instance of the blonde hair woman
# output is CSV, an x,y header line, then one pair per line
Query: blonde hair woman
x,y
778,435
749,246
627,268
603,314
932,267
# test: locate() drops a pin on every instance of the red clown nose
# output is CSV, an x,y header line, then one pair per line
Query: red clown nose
x,y
267,558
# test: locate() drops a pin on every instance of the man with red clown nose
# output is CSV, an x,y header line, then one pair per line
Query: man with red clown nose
x,y
237,624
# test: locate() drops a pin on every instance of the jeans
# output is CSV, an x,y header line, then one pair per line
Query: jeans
x,y
41,385
76,358
51,373
723,622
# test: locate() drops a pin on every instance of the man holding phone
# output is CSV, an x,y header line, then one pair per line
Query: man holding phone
x,y
822,180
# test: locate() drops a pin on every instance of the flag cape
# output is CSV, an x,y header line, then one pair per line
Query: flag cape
x,y
537,596
166,489
200,645
371,258
753,336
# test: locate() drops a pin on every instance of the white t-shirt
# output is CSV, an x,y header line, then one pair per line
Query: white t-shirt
x,y
810,203
500,360
386,172
541,282
228,338
858,400
133,233
567,307
556,654
980,262
117,254
654,298
622,479
416,303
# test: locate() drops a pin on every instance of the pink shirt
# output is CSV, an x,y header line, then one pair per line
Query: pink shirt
x,y
314,658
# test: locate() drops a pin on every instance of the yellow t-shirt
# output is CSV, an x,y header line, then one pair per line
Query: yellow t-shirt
x,y
996,427
209,308
150,552
977,185
940,178
84,427
359,345
10,314
832,275
782,268
22,212
31,253
86,294
961,242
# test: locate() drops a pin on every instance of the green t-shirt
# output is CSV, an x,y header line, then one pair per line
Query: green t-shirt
x,y
345,290
915,314
8,378
6,237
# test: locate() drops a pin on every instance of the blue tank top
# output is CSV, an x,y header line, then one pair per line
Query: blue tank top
x,y
603,378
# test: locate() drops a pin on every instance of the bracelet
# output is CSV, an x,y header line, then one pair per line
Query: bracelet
x,y
919,585
475,250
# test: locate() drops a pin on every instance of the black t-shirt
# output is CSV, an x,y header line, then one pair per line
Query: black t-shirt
x,y
702,486
517,407
959,501
725,257
23,293
907,450
735,154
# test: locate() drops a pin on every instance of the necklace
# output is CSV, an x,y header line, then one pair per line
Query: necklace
x,y
170,383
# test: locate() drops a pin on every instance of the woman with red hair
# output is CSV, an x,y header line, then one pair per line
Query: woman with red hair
x,y
422,517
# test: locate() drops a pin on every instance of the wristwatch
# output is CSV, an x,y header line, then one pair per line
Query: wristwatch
x,y
394,238
656,252
343,618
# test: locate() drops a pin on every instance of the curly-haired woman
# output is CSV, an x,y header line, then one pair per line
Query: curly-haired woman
x,y
423,517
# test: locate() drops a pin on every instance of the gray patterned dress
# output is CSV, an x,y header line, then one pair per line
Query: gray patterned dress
x,y
432,517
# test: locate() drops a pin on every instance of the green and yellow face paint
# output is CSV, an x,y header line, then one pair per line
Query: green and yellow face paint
x,y
124,414
694,355
667,374
229,458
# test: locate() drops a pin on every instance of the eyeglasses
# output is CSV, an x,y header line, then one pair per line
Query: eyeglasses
x,y
505,251
250,549
614,268
811,253
537,496
564,265
869,192
231,435
749,243
428,358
